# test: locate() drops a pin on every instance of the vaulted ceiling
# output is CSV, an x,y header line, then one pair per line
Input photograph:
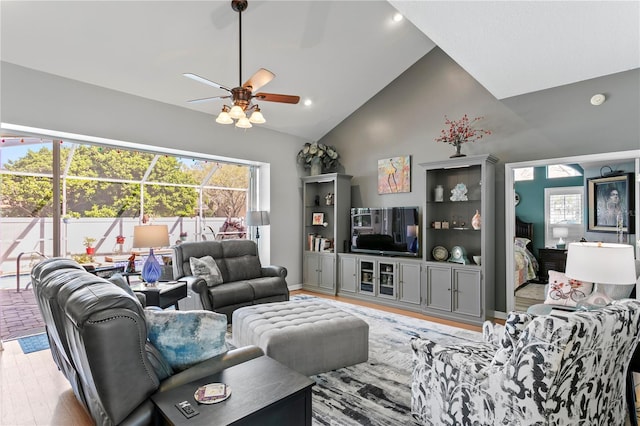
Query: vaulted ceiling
x,y
337,54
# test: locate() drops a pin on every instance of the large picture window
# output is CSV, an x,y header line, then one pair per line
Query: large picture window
x,y
105,191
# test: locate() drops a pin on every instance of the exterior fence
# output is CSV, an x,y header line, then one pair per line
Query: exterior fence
x,y
26,235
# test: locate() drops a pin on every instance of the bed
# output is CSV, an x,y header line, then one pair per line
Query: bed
x,y
526,263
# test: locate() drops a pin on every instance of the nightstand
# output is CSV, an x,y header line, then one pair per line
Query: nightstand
x,y
551,259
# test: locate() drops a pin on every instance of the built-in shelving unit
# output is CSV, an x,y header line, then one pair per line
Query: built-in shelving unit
x,y
326,205
459,288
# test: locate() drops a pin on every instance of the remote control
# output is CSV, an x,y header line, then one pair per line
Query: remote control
x,y
186,409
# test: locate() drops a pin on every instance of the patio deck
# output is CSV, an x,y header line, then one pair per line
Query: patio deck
x,y
19,314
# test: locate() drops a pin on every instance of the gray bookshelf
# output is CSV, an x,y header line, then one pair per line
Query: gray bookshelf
x,y
462,291
324,239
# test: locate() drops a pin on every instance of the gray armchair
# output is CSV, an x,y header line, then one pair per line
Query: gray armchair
x,y
244,280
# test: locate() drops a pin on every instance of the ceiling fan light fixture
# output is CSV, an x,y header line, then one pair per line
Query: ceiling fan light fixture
x,y
257,117
243,123
223,117
236,112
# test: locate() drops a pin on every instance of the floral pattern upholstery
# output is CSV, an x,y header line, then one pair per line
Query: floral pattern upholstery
x,y
557,369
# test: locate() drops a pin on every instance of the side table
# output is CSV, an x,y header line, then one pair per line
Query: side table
x,y
263,392
551,259
162,294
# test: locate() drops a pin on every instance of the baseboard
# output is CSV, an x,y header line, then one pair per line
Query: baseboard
x,y
498,314
294,287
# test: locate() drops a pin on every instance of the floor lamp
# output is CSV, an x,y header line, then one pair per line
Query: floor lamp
x,y
257,218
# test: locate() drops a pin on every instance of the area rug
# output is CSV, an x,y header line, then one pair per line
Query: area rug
x,y
532,291
377,392
34,343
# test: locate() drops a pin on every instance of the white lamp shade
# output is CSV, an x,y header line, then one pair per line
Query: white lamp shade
x,y
257,218
224,118
602,263
257,117
236,112
243,123
151,236
560,232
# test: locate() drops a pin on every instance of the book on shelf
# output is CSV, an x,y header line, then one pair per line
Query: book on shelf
x,y
320,244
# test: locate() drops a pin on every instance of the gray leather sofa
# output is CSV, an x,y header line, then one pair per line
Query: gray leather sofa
x,y
98,336
245,281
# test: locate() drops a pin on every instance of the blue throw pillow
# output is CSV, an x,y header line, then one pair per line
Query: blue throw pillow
x,y
185,338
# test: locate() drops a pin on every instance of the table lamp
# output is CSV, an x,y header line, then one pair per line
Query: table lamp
x,y
151,236
600,263
560,232
257,218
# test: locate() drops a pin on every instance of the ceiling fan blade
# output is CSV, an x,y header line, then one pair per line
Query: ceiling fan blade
x,y
259,79
275,97
205,81
215,98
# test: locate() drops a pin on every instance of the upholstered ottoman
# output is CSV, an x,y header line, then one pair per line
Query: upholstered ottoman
x,y
310,337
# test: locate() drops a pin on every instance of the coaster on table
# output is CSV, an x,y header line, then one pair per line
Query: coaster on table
x,y
212,393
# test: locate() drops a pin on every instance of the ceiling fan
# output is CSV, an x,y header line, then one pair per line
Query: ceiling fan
x,y
243,95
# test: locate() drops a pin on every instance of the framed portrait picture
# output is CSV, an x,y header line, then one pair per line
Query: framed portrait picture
x,y
394,175
609,203
317,219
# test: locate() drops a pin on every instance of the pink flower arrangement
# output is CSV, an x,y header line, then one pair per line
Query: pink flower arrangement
x,y
460,131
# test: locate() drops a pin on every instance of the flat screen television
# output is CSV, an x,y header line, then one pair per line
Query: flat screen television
x,y
387,231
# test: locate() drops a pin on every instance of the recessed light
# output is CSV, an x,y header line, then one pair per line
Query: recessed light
x,y
598,99
397,17
307,102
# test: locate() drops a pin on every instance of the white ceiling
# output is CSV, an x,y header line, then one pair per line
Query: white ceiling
x,y
336,53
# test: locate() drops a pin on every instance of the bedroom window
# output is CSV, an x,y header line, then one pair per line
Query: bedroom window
x,y
522,174
564,207
555,171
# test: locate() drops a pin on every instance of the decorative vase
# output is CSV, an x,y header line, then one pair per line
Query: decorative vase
x,y
457,154
439,193
316,166
151,269
90,251
476,221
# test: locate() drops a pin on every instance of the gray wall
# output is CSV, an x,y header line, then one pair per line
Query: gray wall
x,y
406,116
36,99
403,118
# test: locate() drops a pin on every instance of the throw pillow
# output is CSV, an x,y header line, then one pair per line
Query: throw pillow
x,y
515,324
185,338
564,291
207,269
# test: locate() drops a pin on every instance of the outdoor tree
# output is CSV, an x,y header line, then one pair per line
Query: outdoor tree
x,y
228,197
103,182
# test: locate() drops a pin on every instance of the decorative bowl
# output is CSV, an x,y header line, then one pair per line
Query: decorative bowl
x,y
477,259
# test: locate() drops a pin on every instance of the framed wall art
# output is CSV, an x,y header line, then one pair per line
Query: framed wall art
x,y
394,175
317,219
610,202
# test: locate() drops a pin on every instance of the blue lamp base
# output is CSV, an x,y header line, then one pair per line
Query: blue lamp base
x,y
151,270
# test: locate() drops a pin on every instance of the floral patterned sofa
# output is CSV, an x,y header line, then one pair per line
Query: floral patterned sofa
x,y
557,369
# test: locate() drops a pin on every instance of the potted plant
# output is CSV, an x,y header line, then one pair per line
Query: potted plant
x,y
460,131
183,236
318,157
88,243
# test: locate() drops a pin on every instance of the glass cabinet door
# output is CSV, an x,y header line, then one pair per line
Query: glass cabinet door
x,y
387,279
367,276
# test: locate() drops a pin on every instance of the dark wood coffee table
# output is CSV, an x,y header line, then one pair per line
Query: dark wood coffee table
x,y
162,294
263,392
